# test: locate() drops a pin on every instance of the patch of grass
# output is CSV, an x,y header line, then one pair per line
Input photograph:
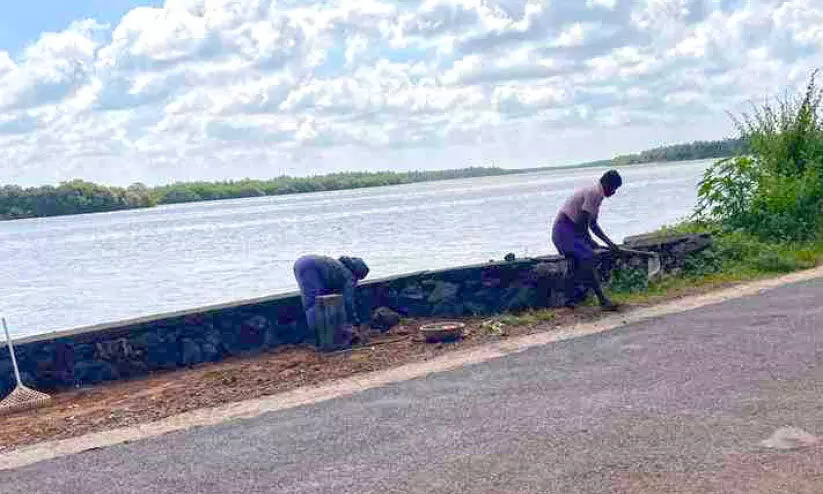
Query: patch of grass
x,y
677,286
628,280
734,258
527,318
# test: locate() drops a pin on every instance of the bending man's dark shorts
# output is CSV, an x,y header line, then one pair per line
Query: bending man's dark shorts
x,y
569,242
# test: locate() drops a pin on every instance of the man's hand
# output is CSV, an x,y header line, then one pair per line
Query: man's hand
x,y
605,238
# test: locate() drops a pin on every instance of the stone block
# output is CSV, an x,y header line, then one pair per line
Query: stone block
x,y
252,333
412,291
6,376
384,319
551,269
210,352
448,309
93,372
213,337
161,353
521,298
190,352
476,309
293,333
443,292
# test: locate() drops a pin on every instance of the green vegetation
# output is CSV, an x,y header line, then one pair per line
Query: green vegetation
x,y
78,196
629,281
75,197
527,318
209,191
733,258
697,150
763,209
776,192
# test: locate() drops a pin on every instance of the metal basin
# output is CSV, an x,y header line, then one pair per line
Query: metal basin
x,y
442,331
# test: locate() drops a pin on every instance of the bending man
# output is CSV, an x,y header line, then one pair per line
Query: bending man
x,y
570,234
322,275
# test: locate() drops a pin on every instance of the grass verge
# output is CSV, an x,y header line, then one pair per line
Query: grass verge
x,y
734,257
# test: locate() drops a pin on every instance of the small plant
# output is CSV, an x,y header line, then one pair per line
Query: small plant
x,y
545,315
807,258
513,320
772,261
527,318
704,263
629,280
494,327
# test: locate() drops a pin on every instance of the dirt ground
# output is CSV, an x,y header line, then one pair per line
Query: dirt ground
x,y
163,394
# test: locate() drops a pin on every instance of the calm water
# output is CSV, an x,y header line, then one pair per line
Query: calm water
x,y
72,271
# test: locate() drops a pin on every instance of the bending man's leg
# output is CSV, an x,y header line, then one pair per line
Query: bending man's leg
x,y
311,286
588,276
574,287
586,273
567,243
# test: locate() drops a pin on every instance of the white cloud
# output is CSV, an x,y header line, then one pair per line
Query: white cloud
x,y
608,4
6,63
574,35
220,88
50,69
656,14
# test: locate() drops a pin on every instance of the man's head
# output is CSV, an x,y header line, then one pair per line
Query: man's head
x,y
611,181
356,265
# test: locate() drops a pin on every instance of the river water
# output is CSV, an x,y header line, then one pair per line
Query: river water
x,y
72,271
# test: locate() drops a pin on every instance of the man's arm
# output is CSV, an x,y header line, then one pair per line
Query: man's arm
x,y
602,235
589,223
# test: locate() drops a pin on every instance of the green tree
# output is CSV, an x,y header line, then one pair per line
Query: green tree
x,y
775,191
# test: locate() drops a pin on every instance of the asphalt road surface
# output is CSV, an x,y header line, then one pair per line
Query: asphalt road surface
x,y
676,404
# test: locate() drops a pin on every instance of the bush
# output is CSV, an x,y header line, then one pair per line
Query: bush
x,y
776,191
705,263
629,280
772,261
735,252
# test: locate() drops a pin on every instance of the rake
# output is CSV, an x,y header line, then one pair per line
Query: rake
x,y
22,397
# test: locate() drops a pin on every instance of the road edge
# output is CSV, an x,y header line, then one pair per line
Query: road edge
x,y
35,453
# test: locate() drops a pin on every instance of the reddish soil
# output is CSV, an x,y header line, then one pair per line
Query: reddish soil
x,y
163,394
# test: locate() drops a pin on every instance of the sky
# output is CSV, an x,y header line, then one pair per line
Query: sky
x,y
117,91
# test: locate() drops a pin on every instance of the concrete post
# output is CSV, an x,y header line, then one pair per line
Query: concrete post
x,y
331,322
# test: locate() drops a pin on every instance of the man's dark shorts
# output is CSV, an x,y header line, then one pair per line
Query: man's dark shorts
x,y
569,242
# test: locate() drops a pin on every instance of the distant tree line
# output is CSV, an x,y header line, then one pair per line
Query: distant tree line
x,y
78,196
697,150
75,197
208,191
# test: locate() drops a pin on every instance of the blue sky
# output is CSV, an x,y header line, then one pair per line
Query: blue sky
x,y
22,22
119,92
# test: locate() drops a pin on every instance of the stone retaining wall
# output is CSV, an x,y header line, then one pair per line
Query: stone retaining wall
x,y
133,348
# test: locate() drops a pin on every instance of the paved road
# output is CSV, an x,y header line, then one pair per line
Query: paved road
x,y
678,404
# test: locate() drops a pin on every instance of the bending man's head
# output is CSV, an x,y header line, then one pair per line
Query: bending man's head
x,y
611,181
356,265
